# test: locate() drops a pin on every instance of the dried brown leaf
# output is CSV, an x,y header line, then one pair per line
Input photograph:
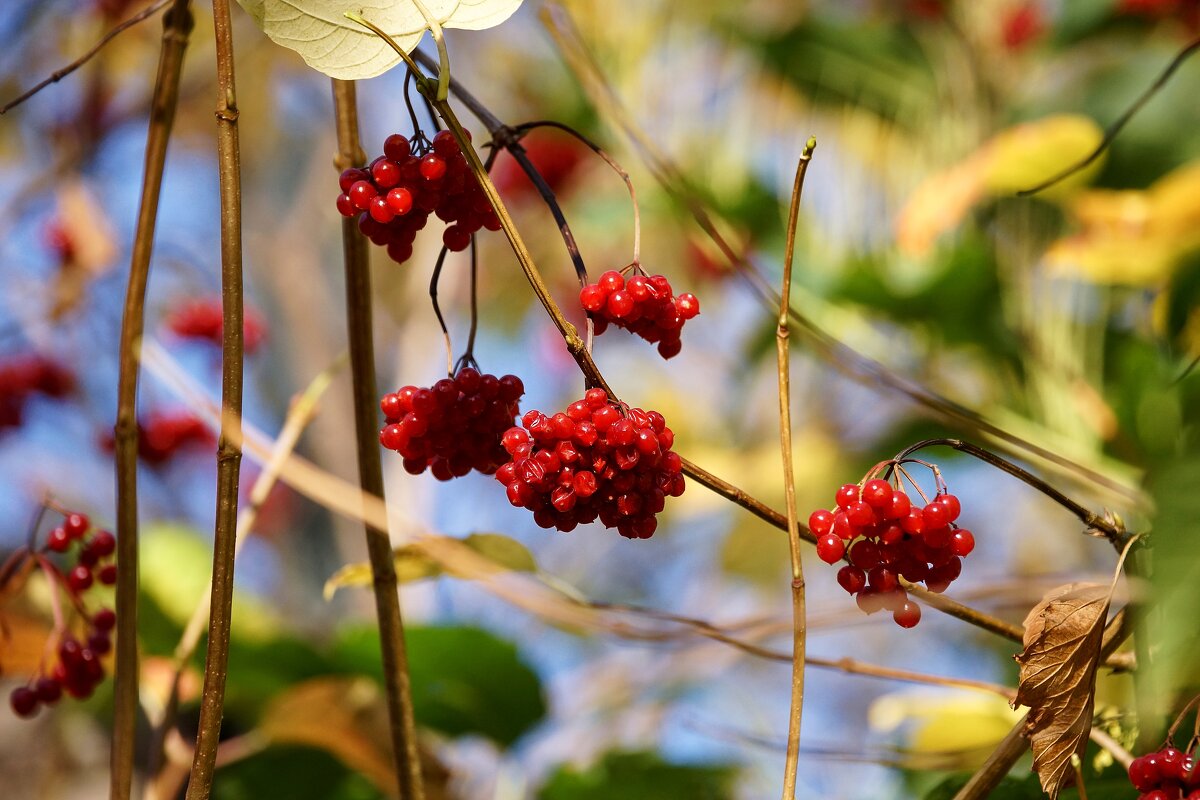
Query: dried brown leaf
x,y
1058,677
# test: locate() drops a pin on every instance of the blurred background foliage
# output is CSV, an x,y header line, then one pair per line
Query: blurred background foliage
x,y
935,301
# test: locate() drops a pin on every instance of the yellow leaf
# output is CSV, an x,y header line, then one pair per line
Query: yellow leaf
x,y
958,727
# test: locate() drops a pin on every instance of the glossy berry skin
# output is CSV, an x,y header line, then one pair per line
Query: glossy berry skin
x,y
80,578
593,461
58,540
76,525
643,305
883,539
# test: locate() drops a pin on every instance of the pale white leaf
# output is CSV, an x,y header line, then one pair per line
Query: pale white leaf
x,y
340,48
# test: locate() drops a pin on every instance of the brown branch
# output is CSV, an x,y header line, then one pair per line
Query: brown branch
x,y
783,370
592,373
229,454
59,74
370,469
177,25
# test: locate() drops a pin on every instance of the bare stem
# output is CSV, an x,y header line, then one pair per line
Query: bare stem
x,y
177,25
370,470
783,367
1114,532
229,454
59,74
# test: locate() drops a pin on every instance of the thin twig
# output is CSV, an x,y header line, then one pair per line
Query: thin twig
x,y
692,470
229,454
437,309
177,25
1122,121
1114,748
299,415
1115,533
59,74
861,368
783,369
370,469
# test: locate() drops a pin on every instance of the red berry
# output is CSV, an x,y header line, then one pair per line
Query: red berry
x,y
878,494
619,304
936,515
860,515
104,619
400,200
899,507
107,574
611,281
381,211
907,615
58,540
80,578
688,305
385,173
847,495
962,542
397,147
456,238
830,548
48,690
361,193
76,525
951,504
820,522
592,298
24,701
1144,772
852,579
433,167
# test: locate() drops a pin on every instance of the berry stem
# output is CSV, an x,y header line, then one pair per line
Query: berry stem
x,y
229,454
437,309
54,577
783,368
177,25
1113,531
370,469
608,159
594,378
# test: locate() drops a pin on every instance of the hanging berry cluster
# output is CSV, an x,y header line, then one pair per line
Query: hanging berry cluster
x,y
162,434
643,305
77,670
26,375
595,461
203,320
1169,774
394,196
453,426
884,537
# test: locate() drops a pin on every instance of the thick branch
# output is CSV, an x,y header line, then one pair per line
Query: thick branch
x,y
177,25
229,454
370,470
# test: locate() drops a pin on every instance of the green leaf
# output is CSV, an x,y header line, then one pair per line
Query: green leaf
x,y
297,773
640,776
464,680
332,44
413,565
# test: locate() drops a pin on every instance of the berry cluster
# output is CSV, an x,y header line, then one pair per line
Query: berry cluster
x,y
453,426
1169,774
162,434
203,319
643,305
394,196
25,375
77,670
884,538
596,460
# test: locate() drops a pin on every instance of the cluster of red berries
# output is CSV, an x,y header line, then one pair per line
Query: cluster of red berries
x,y
453,426
78,670
596,460
1169,774
162,434
203,319
394,196
25,375
643,305
884,538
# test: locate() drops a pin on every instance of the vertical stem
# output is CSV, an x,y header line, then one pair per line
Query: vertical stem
x,y
370,470
177,25
229,455
793,526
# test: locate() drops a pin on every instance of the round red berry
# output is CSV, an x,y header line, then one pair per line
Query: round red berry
x,y
24,701
907,615
830,548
